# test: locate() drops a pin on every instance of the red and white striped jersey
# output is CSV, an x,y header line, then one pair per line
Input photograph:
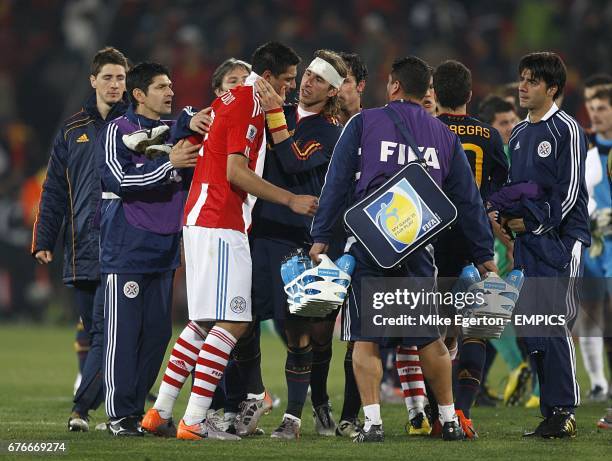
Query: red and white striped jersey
x,y
238,127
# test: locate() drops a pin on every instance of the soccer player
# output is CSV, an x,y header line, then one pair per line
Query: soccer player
x,y
303,137
71,192
483,147
217,256
349,94
429,100
142,203
448,166
549,148
349,97
598,258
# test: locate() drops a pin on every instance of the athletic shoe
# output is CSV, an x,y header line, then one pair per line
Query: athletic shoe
x,y
101,426
537,432
375,434
451,430
436,429
533,402
606,420
419,425
348,428
156,425
597,394
517,384
128,426
204,430
467,426
560,425
323,420
217,418
78,423
289,429
249,414
484,399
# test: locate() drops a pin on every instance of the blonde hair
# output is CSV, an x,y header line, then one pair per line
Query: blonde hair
x,y
332,106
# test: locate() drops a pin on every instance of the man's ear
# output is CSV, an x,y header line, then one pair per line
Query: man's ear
x,y
361,86
332,92
552,90
92,81
469,97
138,95
267,75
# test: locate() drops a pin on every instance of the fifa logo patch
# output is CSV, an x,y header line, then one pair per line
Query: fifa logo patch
x,y
401,216
544,149
131,289
238,304
251,133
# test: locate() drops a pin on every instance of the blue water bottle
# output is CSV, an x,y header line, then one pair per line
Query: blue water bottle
x,y
285,272
469,275
515,278
346,263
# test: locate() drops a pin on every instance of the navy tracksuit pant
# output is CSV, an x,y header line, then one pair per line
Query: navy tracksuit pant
x,y
554,356
137,329
90,393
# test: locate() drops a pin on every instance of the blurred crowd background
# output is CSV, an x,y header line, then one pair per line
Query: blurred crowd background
x,y
47,45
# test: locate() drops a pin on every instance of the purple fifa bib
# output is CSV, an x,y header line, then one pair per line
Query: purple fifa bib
x,y
158,210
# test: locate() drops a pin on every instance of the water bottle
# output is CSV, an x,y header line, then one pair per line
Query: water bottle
x,y
515,278
469,275
346,263
285,272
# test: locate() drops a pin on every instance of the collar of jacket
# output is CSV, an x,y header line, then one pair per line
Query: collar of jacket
x,y
91,107
140,120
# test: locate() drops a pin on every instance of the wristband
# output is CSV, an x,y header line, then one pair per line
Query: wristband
x,y
275,119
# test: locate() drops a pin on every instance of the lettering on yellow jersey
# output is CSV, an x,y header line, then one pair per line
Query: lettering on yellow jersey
x,y
471,130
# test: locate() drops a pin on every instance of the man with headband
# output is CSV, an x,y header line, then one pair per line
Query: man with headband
x,y
300,142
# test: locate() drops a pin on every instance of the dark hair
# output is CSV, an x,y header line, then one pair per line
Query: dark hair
x,y
108,55
413,74
545,66
598,80
492,105
355,65
452,83
275,57
603,93
141,76
332,106
227,66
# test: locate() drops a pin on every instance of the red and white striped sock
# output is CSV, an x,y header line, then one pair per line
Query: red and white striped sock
x,y
182,361
210,366
409,370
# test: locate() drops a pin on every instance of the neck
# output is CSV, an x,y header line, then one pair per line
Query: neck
x,y
535,115
316,107
347,112
404,97
606,135
461,110
146,112
103,108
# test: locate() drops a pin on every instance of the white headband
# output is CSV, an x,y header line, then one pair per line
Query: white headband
x,y
324,69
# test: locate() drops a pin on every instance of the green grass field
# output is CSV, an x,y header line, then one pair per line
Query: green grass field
x,y
38,369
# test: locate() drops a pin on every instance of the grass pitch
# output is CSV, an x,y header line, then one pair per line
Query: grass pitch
x,y
39,366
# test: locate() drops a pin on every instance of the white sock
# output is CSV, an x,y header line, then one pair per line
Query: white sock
x,y
294,418
256,396
591,349
447,413
372,416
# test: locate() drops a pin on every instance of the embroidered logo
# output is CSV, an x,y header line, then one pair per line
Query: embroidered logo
x,y
544,149
238,305
251,133
518,145
83,138
131,289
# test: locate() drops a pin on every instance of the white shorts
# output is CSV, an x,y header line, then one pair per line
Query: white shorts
x,y
218,271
